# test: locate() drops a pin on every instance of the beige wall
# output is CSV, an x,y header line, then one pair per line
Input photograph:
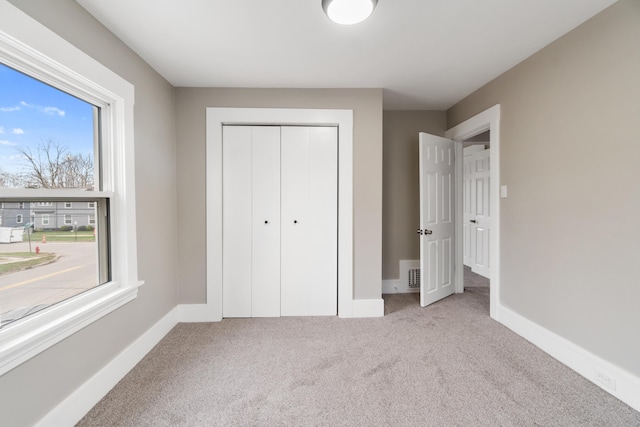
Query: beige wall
x,y
400,188
570,155
367,174
30,391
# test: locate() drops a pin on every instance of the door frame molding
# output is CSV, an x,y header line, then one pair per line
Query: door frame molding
x,y
215,119
486,120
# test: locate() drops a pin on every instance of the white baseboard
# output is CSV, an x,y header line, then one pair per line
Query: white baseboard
x,y
368,308
623,385
77,404
397,287
195,313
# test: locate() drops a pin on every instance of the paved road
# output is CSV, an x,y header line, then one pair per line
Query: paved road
x,y
74,271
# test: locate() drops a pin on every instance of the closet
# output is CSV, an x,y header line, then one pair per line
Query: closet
x,y
279,221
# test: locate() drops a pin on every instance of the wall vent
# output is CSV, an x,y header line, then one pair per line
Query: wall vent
x,y
413,278
409,276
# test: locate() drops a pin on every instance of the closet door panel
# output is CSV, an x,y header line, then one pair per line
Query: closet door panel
x,y
236,221
265,212
309,221
323,210
296,223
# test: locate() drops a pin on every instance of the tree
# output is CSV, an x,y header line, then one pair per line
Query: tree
x,y
54,166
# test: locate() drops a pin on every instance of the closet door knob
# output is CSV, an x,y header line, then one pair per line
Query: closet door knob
x,y
295,221
266,222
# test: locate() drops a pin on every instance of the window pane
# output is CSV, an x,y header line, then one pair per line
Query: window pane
x,y
55,256
47,137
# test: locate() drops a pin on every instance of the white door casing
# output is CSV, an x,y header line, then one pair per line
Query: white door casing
x,y
437,220
488,120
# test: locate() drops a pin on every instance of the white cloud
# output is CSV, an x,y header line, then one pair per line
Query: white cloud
x,y
5,142
9,109
17,131
1,129
53,111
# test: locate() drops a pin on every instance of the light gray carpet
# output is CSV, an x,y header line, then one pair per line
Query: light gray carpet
x,y
445,365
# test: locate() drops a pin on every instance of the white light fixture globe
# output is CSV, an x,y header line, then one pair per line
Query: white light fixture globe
x,y
348,12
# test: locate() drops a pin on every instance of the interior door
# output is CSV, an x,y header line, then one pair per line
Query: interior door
x,y
309,221
437,223
480,219
251,221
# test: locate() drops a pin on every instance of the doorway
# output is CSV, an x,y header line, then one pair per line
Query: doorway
x,y
486,121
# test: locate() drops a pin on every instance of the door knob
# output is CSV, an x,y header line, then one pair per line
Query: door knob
x,y
266,222
295,221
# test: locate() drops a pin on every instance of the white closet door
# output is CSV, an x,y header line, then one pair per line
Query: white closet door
x,y
236,220
309,221
265,212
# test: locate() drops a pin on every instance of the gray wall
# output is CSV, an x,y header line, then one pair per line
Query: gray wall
x,y
30,391
570,155
367,174
401,188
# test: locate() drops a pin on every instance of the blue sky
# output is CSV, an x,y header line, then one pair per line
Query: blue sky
x,y
32,112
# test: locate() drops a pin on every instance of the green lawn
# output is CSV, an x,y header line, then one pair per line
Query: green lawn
x,y
16,261
62,236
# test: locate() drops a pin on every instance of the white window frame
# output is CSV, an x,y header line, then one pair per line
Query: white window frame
x,y
91,220
67,219
45,219
91,205
30,47
68,205
19,219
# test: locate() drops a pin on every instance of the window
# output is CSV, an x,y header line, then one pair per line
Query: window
x,y
67,205
19,219
92,220
67,220
91,205
28,50
45,219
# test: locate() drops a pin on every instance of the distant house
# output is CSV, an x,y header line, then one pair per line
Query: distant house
x,y
14,214
47,215
53,215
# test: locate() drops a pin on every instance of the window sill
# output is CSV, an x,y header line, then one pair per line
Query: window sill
x,y
25,338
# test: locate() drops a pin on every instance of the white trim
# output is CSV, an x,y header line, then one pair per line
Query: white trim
x,y
627,385
391,286
196,313
367,308
79,403
24,339
30,47
487,120
396,286
216,117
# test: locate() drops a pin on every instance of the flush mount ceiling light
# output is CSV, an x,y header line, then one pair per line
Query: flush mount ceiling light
x,y
347,12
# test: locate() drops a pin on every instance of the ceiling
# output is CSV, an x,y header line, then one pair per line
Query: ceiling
x,y
425,54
